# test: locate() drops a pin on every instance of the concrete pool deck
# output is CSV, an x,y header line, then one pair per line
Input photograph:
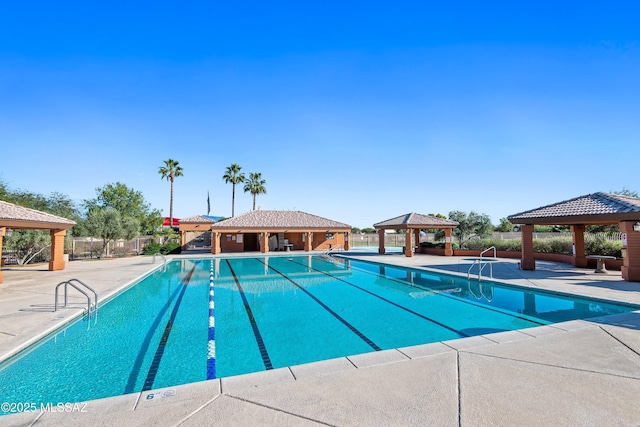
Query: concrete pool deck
x,y
573,373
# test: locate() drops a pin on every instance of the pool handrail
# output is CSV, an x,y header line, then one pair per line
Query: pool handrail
x,y
482,263
70,282
164,264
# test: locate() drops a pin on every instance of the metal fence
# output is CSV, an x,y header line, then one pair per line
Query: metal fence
x,y
89,247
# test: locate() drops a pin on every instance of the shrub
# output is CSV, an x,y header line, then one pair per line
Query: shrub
x,y
557,245
429,244
439,245
151,248
171,248
601,246
594,245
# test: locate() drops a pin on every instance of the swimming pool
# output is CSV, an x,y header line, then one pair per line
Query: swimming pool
x,y
174,327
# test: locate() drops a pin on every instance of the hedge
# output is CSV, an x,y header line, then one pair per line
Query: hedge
x,y
168,248
557,245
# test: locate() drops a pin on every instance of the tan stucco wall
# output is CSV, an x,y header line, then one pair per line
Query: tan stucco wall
x,y
320,242
295,238
230,242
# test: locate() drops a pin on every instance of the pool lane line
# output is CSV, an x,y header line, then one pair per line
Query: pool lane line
x,y
211,333
135,370
445,295
352,328
254,326
157,357
415,313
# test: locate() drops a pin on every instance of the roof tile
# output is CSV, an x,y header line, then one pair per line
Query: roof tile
x,y
590,204
9,211
279,219
415,220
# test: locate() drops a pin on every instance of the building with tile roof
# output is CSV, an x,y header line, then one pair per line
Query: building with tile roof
x,y
18,217
195,231
412,223
268,230
591,209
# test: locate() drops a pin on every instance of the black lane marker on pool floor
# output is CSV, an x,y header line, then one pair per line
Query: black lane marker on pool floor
x,y
155,363
352,328
256,332
385,300
133,375
426,289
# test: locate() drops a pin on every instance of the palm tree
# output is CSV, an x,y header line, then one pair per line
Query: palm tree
x,y
255,185
232,175
170,171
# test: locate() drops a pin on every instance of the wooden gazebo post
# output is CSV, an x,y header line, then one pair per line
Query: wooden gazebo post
x,y
577,233
408,244
527,261
631,263
3,232
448,247
57,250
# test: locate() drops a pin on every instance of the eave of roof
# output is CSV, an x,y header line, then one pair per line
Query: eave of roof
x,y
415,220
19,217
198,219
279,221
597,208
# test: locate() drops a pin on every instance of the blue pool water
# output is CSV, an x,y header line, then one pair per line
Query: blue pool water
x,y
267,312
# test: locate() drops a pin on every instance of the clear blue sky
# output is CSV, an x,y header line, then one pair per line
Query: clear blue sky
x,y
352,110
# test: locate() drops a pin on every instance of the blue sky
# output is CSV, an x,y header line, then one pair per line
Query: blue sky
x,y
356,111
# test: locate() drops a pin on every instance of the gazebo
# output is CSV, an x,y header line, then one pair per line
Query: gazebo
x,y
592,209
412,223
194,228
14,217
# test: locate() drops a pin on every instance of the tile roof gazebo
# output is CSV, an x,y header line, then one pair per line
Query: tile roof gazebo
x,y
266,230
194,227
591,209
412,223
18,217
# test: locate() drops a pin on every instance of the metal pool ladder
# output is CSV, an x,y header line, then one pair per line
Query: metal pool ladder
x,y
164,259
81,287
482,263
327,254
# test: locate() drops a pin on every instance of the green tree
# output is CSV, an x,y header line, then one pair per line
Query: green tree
x,y
505,225
170,171
438,234
107,224
4,190
255,185
471,224
28,244
626,192
129,203
232,175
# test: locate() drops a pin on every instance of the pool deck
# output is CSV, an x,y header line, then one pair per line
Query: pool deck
x,y
572,373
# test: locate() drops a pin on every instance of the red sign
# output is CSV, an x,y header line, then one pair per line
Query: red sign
x,y
176,222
